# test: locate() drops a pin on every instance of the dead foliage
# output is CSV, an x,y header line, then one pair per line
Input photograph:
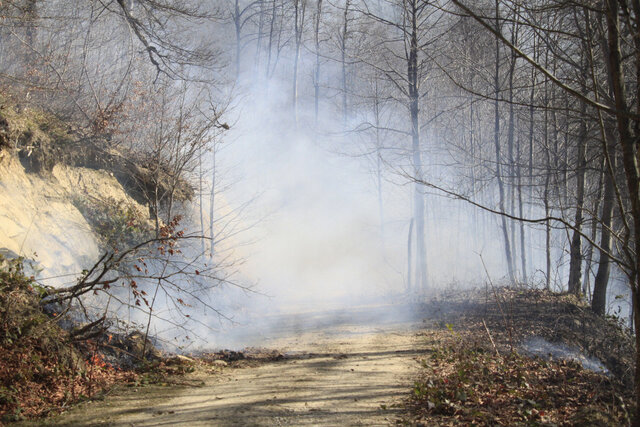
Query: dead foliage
x,y
41,369
513,315
477,376
466,384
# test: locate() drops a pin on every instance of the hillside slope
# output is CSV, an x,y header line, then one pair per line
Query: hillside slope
x,y
40,210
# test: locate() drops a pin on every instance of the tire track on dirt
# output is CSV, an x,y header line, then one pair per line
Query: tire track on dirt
x,y
343,376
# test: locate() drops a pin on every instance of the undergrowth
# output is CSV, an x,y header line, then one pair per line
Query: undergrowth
x,y
464,384
118,224
41,370
476,376
39,138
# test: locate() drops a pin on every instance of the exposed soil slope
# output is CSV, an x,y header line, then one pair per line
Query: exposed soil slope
x,y
39,215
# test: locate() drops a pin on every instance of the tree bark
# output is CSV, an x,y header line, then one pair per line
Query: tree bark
x,y
575,264
418,197
587,286
510,148
376,113
599,301
299,9
496,140
343,57
409,256
238,27
523,252
630,162
316,72
212,200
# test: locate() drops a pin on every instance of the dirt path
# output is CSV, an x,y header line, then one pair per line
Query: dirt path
x,y
342,376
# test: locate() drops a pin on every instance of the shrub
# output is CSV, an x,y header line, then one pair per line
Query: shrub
x,y
118,224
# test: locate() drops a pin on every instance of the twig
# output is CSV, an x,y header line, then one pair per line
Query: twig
x,y
495,293
490,338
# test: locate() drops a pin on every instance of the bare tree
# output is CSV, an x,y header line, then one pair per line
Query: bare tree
x,y
299,7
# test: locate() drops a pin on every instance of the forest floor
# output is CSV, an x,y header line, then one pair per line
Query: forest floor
x,y
459,360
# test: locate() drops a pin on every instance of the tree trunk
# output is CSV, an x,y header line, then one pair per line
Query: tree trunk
x,y
238,27
531,144
496,140
201,199
599,301
212,200
547,212
575,264
260,36
587,288
272,23
343,57
299,8
409,256
316,73
630,162
418,197
510,149
523,253
472,150
376,112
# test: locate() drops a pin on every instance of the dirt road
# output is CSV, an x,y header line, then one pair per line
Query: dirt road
x,y
344,375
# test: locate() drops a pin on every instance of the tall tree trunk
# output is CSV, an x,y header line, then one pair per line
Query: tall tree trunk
x,y
409,256
547,180
523,252
236,22
299,8
272,23
472,151
510,147
343,57
587,286
418,196
212,200
531,145
31,15
599,301
629,152
547,213
376,113
496,140
547,209
258,54
575,263
555,188
316,73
